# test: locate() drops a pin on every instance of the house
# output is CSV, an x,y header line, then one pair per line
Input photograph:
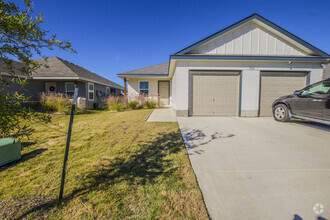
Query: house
x,y
326,71
238,71
56,75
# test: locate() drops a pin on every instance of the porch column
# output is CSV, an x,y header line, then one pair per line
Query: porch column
x,y
125,89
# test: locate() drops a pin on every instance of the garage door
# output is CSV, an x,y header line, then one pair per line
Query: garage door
x,y
275,85
214,94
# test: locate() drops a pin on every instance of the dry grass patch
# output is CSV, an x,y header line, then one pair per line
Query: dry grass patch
x,y
120,167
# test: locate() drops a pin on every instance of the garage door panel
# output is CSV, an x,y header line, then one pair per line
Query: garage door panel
x,y
275,85
215,94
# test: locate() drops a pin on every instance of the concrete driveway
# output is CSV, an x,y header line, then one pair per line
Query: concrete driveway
x,y
257,168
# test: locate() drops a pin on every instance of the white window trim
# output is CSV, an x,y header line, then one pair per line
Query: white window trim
x,y
144,89
66,91
106,90
89,91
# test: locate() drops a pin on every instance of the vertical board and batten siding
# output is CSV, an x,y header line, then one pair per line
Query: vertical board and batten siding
x,y
214,93
250,39
81,89
277,84
33,88
99,94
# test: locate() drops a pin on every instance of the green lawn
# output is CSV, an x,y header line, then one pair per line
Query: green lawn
x,y
119,167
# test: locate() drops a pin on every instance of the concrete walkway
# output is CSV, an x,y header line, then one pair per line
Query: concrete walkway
x,y
257,168
162,115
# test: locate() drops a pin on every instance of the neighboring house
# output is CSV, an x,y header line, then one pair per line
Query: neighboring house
x,y
60,76
238,71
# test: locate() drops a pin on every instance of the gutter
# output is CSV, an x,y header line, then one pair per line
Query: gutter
x,y
21,76
249,58
143,75
74,78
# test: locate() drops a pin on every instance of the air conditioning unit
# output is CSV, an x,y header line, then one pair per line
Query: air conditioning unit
x,y
81,102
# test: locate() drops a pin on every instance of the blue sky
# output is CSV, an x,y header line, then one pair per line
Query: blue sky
x,y
116,36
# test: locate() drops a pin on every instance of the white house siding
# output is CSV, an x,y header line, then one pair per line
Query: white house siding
x,y
250,81
326,71
133,87
250,39
249,91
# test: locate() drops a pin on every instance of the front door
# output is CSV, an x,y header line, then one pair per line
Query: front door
x,y
164,92
50,87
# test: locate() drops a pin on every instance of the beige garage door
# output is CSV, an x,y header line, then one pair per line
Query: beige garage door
x,y
275,85
214,94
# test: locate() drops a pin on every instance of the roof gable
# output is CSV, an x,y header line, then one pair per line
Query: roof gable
x,y
253,35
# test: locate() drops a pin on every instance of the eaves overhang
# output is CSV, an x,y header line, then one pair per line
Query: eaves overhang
x,y
249,58
73,78
142,75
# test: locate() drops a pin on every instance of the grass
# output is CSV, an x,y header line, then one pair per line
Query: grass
x,y
119,167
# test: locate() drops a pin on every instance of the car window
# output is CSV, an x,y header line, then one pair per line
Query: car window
x,y
317,89
327,84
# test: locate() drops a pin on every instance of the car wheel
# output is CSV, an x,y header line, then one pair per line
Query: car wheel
x,y
281,113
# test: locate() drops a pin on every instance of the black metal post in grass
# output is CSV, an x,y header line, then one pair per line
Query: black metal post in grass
x,y
68,143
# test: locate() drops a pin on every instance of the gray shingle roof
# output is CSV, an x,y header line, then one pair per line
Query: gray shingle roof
x,y
16,67
159,69
57,67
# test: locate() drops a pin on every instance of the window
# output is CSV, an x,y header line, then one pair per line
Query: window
x,y
91,91
69,88
317,89
107,90
144,88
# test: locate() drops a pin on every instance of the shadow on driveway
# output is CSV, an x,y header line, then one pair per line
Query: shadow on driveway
x,y
196,137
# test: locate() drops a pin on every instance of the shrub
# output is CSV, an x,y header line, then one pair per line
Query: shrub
x,y
119,106
150,104
134,104
55,102
62,104
142,99
116,103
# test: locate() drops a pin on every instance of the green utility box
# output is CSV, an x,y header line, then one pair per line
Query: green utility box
x,y
10,150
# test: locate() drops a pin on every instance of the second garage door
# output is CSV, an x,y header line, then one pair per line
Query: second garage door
x,y
275,85
215,93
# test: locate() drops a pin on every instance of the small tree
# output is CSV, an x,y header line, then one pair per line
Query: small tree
x,y
21,36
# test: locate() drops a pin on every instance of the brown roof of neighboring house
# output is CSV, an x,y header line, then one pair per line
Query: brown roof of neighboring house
x,y
57,67
155,70
17,66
